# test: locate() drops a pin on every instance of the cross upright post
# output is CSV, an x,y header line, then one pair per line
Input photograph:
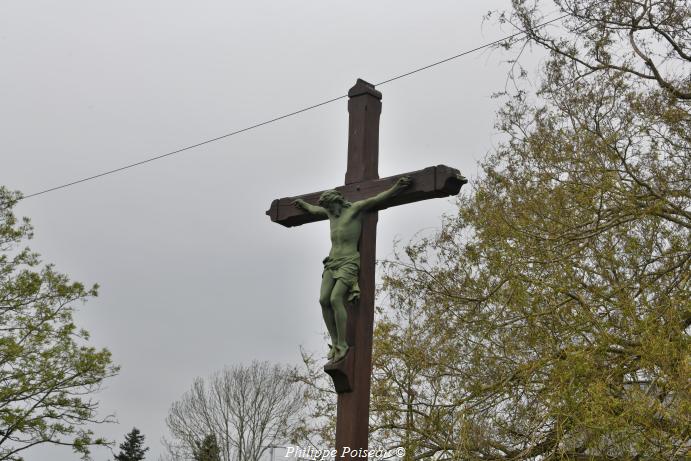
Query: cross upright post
x,y
352,374
352,421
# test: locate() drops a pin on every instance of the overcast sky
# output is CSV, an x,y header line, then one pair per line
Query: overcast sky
x,y
193,275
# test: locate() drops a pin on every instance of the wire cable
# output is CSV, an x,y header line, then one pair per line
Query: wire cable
x,y
486,45
168,154
290,114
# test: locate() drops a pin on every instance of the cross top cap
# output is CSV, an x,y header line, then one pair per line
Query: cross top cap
x,y
362,87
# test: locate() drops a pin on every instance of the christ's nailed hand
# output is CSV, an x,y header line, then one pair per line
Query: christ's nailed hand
x,y
299,203
403,182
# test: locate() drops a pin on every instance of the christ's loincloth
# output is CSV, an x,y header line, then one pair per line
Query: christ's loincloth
x,y
347,270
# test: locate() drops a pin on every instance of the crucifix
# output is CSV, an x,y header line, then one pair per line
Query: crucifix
x,y
348,281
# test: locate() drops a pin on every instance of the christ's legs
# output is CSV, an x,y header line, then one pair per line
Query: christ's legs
x,y
328,283
338,295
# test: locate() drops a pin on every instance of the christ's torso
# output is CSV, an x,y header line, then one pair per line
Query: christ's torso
x,y
345,233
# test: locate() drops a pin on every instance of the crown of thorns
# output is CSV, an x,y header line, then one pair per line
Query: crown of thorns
x,y
332,196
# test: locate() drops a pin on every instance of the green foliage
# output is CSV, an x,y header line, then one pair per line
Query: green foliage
x,y
549,319
207,449
132,449
47,372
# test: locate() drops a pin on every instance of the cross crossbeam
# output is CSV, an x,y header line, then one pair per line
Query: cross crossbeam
x,y
432,182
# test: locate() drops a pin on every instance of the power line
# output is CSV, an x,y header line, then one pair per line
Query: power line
x,y
486,45
151,159
290,114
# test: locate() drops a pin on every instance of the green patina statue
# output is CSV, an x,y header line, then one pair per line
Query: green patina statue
x,y
342,266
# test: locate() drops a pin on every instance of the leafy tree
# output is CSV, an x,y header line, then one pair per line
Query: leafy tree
x,y
132,449
246,409
549,319
207,449
47,372
644,42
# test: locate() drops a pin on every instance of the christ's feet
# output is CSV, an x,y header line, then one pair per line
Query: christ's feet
x,y
340,352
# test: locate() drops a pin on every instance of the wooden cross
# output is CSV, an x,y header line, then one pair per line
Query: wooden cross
x,y
352,375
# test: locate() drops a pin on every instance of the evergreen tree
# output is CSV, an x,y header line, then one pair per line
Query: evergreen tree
x,y
208,449
132,449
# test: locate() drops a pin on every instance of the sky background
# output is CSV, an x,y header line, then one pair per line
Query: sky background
x,y
193,275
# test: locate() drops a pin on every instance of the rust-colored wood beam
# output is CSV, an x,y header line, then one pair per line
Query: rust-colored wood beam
x,y
432,182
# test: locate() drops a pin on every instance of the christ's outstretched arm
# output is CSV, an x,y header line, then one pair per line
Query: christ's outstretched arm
x,y
374,202
311,209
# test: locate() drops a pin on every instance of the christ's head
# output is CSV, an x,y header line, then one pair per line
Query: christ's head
x,y
333,201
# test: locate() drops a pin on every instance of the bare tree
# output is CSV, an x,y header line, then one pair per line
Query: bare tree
x,y
247,408
643,40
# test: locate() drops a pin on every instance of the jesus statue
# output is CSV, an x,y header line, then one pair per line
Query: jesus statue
x,y
342,266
